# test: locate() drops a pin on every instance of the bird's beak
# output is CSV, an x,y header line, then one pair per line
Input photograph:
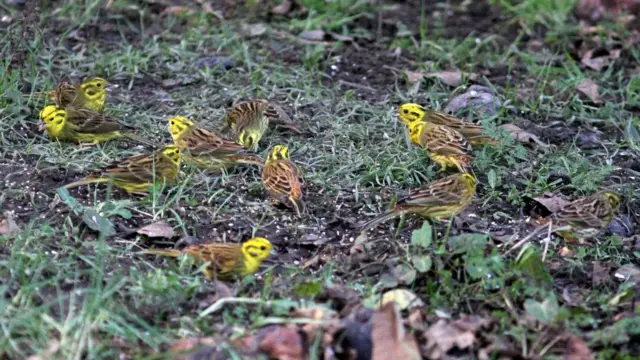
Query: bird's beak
x,y
42,127
273,252
109,88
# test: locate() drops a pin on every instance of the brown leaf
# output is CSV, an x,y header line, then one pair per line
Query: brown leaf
x,y
600,273
590,89
413,76
390,340
444,336
313,35
553,203
189,344
8,226
523,136
452,78
604,57
283,8
577,349
253,30
282,342
176,10
159,229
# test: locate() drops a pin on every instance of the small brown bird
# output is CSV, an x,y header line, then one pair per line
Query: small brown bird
x,y
585,217
249,120
90,95
282,178
446,147
207,149
439,200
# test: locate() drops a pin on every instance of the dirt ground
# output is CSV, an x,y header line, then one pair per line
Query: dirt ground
x,y
340,69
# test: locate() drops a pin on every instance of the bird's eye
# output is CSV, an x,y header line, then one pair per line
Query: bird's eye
x,y
173,123
406,111
263,248
99,85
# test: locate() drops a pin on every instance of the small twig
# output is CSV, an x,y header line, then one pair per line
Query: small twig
x,y
527,238
547,240
550,345
357,86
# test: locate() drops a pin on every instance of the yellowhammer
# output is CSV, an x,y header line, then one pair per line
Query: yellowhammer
x,y
282,178
446,147
249,120
586,217
84,126
226,261
410,114
136,173
206,149
439,200
91,94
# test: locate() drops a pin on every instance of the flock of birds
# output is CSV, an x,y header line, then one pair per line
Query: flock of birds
x,y
78,116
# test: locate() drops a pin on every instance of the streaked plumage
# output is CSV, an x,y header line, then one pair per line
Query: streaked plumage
x,y
249,120
90,95
226,261
282,178
84,126
439,200
587,216
207,149
137,173
446,147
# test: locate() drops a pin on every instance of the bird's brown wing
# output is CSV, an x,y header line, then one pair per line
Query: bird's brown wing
x,y
226,258
446,191
589,212
200,141
444,141
87,121
138,169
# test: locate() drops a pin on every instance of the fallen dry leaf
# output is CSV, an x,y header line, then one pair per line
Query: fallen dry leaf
x,y
577,349
522,136
283,343
552,202
444,336
600,274
253,30
189,344
176,10
568,253
452,78
313,35
590,89
8,226
595,10
283,8
597,59
159,229
413,76
390,340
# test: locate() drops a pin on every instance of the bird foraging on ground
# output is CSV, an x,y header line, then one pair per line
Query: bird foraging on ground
x,y
410,114
445,146
439,200
585,217
282,178
137,173
90,95
84,126
225,261
249,120
207,149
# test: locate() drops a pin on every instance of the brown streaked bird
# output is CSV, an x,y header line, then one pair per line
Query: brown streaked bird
x,y
445,146
475,134
439,200
282,178
206,149
585,217
226,261
137,173
90,95
249,121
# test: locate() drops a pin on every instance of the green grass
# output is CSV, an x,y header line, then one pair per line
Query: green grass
x,y
89,295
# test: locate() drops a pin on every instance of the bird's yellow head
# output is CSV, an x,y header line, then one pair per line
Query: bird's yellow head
x,y
95,89
172,153
178,125
278,152
257,249
53,119
410,113
247,139
612,198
